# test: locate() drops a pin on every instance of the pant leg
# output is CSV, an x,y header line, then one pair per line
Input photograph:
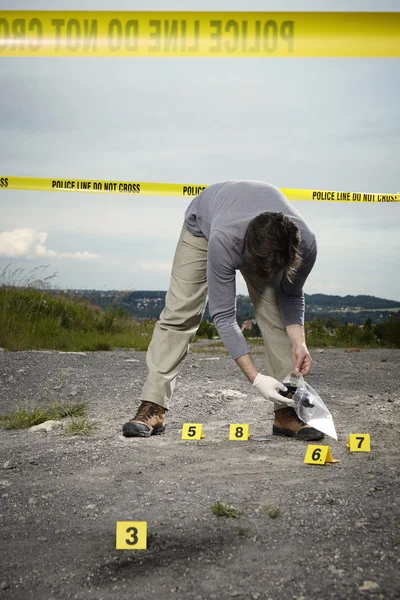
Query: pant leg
x,y
184,307
278,349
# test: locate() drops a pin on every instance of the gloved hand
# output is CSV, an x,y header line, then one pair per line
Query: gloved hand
x,y
267,387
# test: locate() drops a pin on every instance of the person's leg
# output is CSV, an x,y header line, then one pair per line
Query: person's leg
x,y
184,306
278,354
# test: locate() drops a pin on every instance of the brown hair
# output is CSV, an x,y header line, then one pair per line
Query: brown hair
x,y
273,245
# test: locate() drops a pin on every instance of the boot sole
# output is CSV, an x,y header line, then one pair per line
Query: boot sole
x,y
307,436
129,431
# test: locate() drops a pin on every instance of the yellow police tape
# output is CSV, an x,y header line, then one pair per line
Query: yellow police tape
x,y
268,34
144,188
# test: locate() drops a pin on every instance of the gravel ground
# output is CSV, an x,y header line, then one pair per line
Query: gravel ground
x,y
338,533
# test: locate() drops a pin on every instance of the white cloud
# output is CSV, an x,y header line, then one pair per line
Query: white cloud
x,y
26,242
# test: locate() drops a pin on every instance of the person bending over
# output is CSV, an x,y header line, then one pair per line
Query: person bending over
x,y
248,226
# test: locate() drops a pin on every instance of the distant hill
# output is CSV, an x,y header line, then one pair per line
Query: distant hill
x,y
147,304
328,302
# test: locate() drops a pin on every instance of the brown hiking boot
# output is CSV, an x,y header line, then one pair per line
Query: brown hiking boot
x,y
288,424
149,420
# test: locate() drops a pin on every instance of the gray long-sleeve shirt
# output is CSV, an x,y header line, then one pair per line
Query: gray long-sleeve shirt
x,y
221,214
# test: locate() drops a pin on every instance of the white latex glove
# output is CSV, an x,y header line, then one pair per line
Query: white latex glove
x,y
267,387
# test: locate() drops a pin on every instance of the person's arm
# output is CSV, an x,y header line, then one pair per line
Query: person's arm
x,y
292,307
301,357
245,362
221,276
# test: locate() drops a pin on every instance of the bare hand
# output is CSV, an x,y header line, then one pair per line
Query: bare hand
x,y
302,360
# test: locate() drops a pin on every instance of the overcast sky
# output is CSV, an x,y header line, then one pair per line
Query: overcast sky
x,y
299,123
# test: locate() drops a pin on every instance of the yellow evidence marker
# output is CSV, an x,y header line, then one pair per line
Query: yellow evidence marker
x,y
318,455
239,431
359,442
131,535
192,431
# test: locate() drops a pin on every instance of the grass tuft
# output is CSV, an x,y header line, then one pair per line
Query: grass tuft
x,y
22,418
273,511
223,509
80,427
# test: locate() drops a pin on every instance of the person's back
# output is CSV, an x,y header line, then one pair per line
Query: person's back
x,y
222,214
228,207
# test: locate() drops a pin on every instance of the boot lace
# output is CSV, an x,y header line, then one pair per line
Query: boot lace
x,y
146,411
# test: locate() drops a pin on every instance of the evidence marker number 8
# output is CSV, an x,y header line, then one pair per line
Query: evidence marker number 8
x,y
239,431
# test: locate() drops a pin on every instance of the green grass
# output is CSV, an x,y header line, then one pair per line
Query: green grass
x,y
22,418
223,509
34,319
80,427
255,341
272,511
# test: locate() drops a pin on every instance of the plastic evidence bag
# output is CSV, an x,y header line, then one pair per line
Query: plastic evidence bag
x,y
308,405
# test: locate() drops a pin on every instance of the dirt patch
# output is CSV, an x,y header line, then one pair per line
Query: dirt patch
x,y
338,527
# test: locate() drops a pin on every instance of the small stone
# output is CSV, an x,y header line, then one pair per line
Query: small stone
x,y
46,426
42,539
10,379
233,394
370,395
32,500
2,349
11,463
194,366
5,482
21,370
58,387
390,400
320,351
132,360
368,585
3,585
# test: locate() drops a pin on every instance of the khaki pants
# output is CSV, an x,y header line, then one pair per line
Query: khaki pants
x,y
184,307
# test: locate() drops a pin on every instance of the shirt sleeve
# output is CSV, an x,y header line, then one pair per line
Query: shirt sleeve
x,y
221,277
291,295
